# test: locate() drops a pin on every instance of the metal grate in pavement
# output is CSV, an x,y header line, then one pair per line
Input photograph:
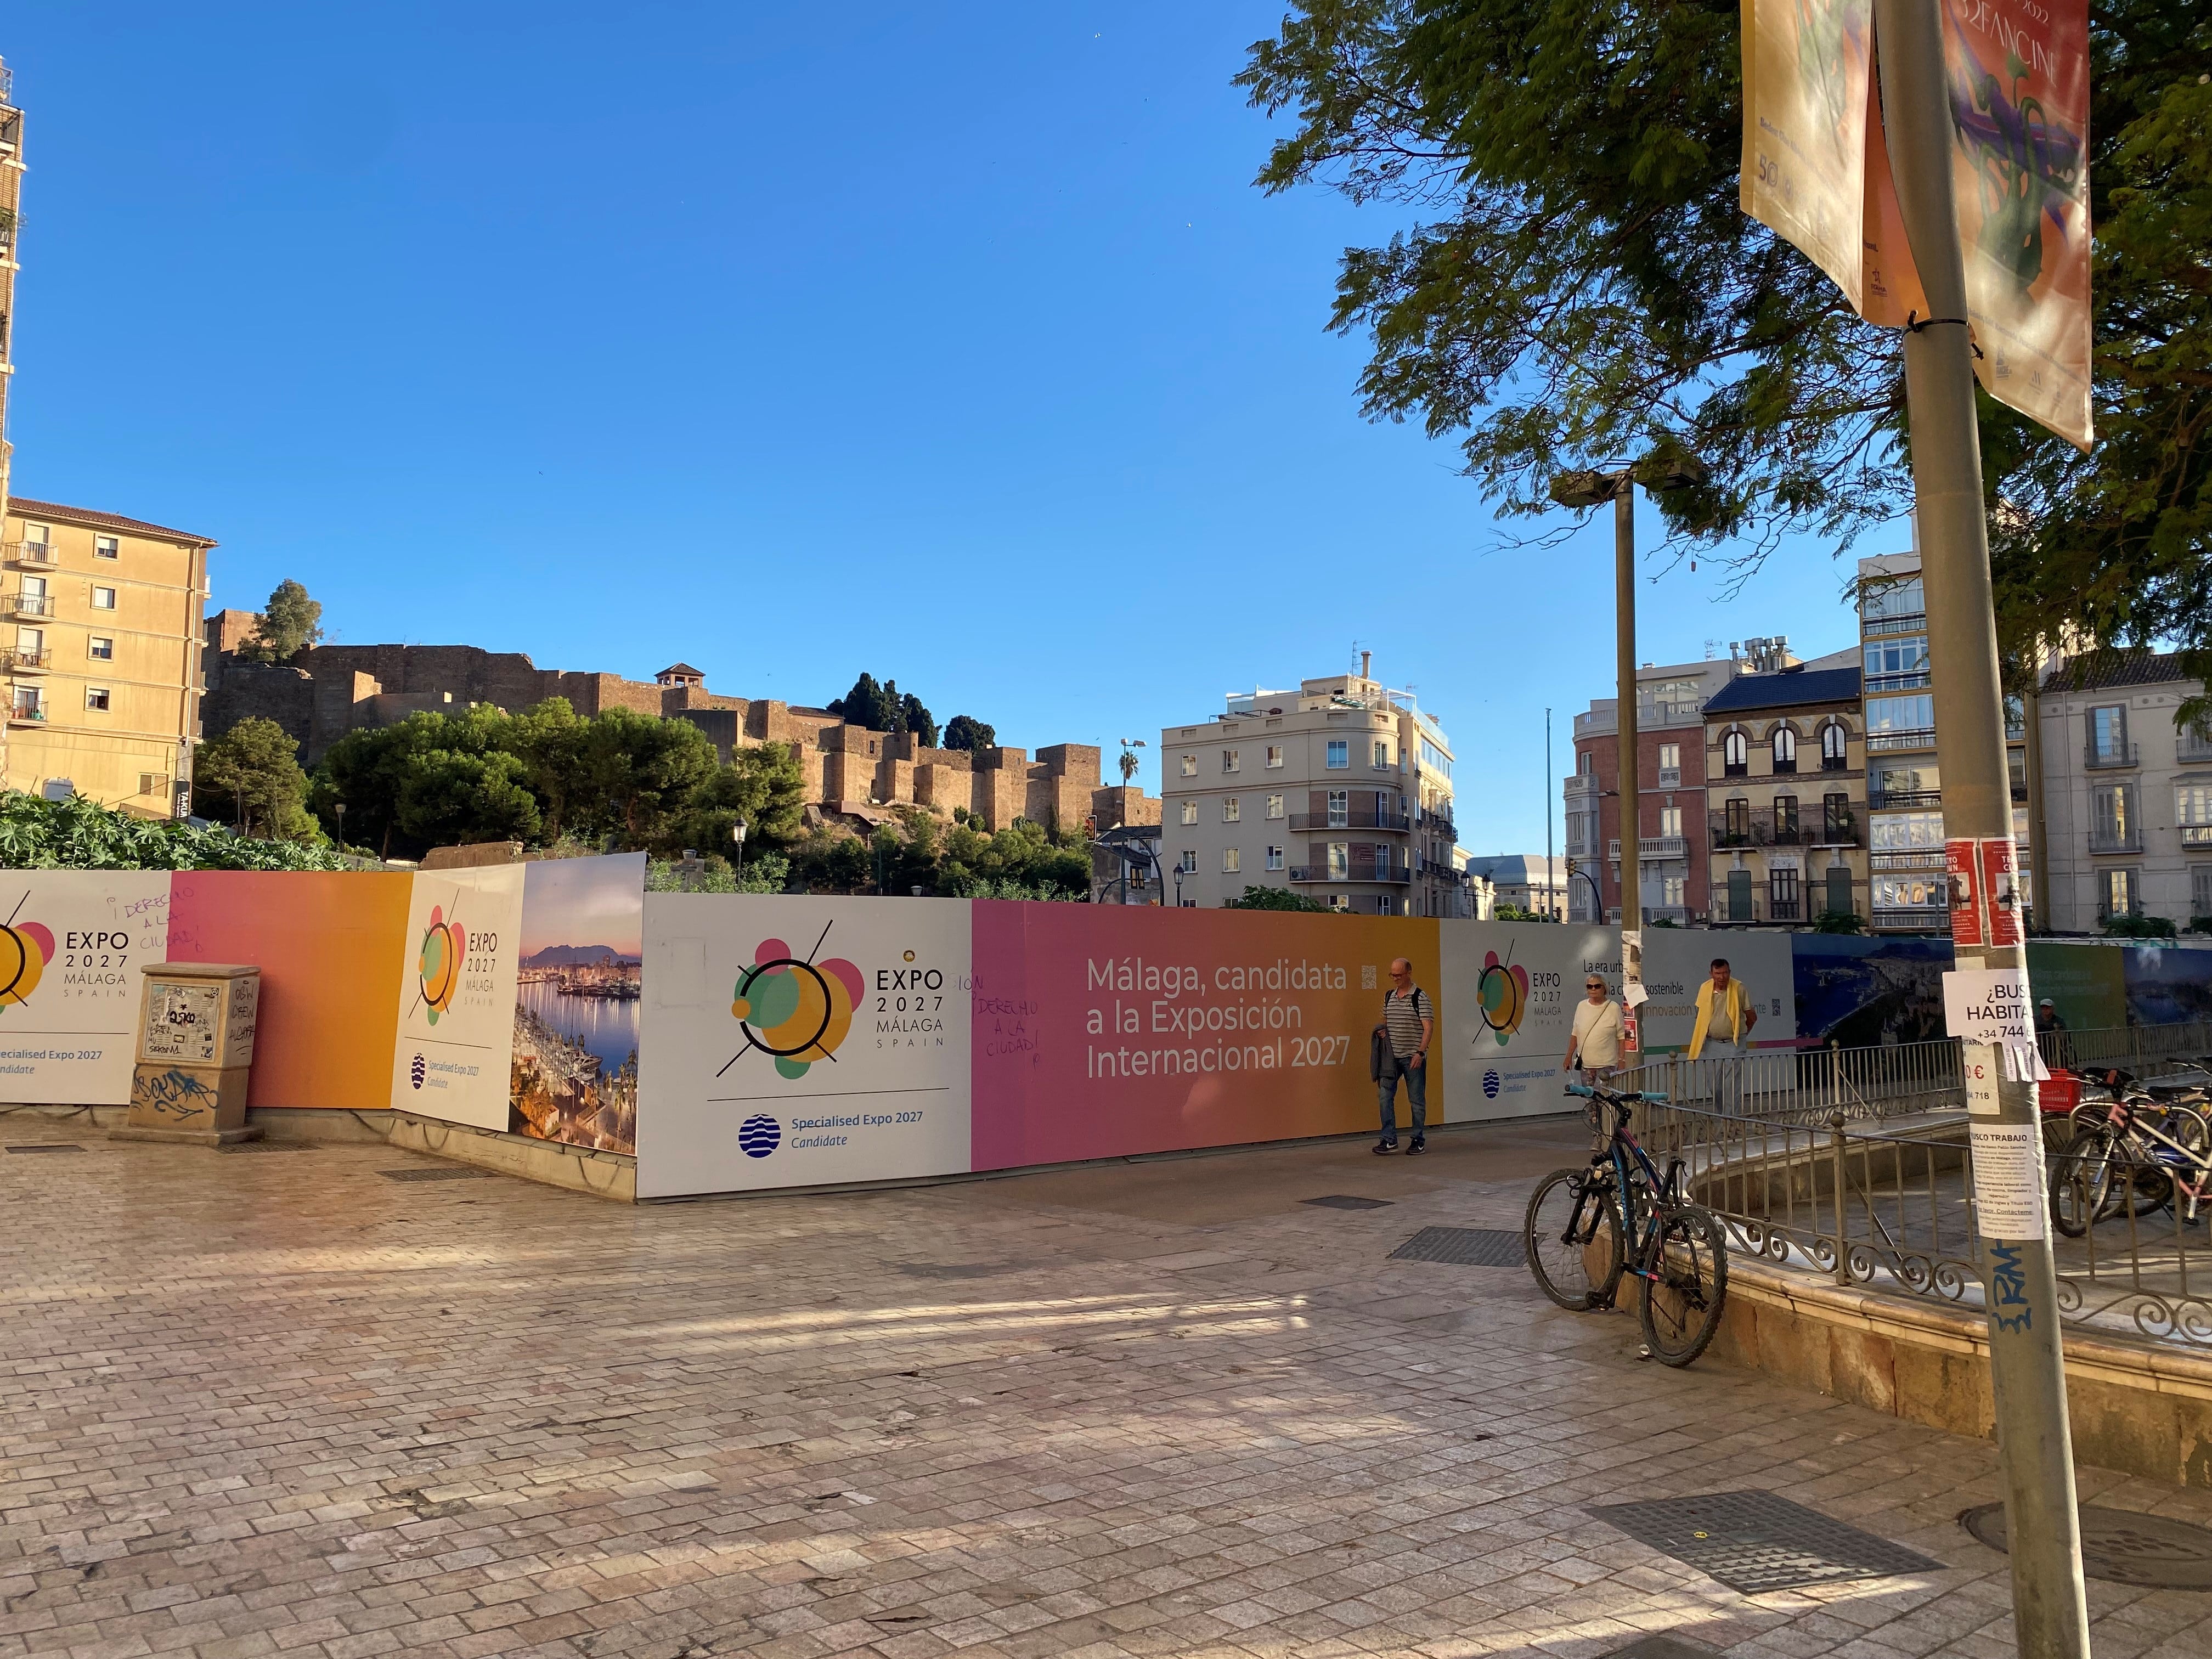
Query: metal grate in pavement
x,y
1757,1541
1346,1201
48,1146
1463,1247
445,1172
2121,1547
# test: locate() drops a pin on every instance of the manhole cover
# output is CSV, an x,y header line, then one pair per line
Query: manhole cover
x,y
48,1146
1346,1201
1466,1247
444,1173
1756,1541
2120,1546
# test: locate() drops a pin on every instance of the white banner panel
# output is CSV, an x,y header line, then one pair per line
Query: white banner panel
x,y
71,944
1511,990
1676,960
457,995
799,1042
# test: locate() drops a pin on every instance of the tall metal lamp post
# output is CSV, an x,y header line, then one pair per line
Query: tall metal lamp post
x,y
738,834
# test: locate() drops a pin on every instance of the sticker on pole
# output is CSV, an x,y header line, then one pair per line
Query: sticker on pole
x,y
2001,890
1979,1063
2009,1180
1962,858
1988,1005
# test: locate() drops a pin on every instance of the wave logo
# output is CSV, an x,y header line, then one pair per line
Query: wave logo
x,y
1503,995
1489,1085
438,965
759,1135
417,1071
793,1009
25,948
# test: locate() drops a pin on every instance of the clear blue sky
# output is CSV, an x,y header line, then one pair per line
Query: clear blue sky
x,y
952,343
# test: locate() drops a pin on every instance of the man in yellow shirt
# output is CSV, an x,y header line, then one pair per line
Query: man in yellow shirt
x,y
1726,1014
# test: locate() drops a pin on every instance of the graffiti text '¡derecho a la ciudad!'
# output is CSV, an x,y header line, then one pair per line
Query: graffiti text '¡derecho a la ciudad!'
x,y
1254,1002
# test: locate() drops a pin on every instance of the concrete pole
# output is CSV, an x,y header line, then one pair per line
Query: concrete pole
x,y
2042,1525
1624,603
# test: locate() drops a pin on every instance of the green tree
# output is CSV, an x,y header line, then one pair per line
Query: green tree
x,y
1583,287
250,777
831,860
1272,898
869,704
452,798
366,769
548,739
966,732
641,770
1128,765
289,624
762,784
915,717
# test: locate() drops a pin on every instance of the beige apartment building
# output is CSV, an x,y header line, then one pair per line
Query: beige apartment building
x,y
1341,790
100,642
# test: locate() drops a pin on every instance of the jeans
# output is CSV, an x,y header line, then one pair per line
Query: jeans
x,y
1417,1094
1727,1075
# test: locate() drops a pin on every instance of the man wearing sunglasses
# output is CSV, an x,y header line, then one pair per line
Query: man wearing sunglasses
x,y
1596,1042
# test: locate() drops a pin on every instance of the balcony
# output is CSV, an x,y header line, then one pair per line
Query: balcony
x,y
1670,777
1892,800
1735,770
1900,863
34,555
2108,838
1917,622
2193,747
1654,846
30,605
1835,762
1912,919
2108,756
1835,832
1761,828
2197,834
1897,682
1921,738
27,714
1394,875
1350,820
26,662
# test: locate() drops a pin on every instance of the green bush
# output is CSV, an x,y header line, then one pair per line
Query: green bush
x,y
80,834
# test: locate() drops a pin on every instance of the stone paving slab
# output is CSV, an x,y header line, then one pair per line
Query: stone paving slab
x,y
260,1406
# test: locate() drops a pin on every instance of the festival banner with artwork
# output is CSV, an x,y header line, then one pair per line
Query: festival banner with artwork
x,y
794,1042
1106,1031
71,945
457,995
573,1067
1807,91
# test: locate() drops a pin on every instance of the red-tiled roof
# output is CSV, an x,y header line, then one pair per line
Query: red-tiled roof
x,y
2104,670
84,515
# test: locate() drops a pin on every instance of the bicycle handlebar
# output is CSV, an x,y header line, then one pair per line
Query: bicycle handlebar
x,y
1592,1091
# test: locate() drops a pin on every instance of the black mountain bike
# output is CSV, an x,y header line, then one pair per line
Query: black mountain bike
x,y
1587,1227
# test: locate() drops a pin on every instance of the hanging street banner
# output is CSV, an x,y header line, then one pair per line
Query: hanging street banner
x,y
1816,169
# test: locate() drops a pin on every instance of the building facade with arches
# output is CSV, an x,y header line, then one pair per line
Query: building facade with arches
x,y
1785,796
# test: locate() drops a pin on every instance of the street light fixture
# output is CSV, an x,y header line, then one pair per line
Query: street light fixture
x,y
736,835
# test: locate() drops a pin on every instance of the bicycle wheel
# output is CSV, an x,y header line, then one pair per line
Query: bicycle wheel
x,y
2082,1181
1572,1236
1688,1283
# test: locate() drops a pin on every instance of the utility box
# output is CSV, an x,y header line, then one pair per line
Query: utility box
x,y
195,1054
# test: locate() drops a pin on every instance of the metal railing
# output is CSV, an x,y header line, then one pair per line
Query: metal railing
x,y
30,605
1806,1085
1915,622
2192,746
1764,827
2108,756
1879,798
1394,875
1653,846
38,555
2142,1050
1351,818
1919,737
1912,918
17,661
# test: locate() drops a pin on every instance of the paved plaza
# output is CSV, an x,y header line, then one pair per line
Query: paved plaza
x,y
271,1400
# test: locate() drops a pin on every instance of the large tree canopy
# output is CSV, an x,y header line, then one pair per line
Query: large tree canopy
x,y
1583,288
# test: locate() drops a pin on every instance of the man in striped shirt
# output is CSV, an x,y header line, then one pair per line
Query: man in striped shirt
x,y
1409,1019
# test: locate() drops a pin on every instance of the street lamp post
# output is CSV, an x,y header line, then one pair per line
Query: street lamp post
x,y
338,807
1178,876
738,834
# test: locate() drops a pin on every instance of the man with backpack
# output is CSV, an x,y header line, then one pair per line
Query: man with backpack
x,y
1409,1020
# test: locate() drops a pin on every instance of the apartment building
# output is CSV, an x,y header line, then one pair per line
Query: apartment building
x,y
1903,783
103,665
1786,755
1670,808
1341,790
2127,793
1526,882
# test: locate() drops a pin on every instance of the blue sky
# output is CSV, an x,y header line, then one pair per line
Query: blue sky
x,y
950,343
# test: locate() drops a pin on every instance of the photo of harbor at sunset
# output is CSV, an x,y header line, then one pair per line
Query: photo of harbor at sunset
x,y
574,1074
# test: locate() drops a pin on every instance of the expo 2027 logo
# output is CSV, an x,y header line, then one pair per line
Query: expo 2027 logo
x,y
795,1010
1503,994
25,948
438,964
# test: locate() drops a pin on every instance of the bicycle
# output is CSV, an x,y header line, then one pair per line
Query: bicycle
x,y
2134,1152
1578,1219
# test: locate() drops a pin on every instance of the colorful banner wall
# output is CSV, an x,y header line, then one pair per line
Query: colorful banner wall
x,y
1677,960
70,946
803,1042
1511,989
457,995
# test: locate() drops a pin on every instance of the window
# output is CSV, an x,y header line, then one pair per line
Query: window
x,y
1670,764
1435,759
1888,716
1835,746
38,535
95,697
1232,810
2117,893
1232,861
1929,891
1339,752
1735,820
1581,832
105,547
1274,756
1339,860
1739,895
1666,699
1274,806
1894,599
1671,890
1839,890
1785,749
1782,896
1897,665
2112,825
2193,811
1190,811
1836,826
103,598
1190,766
1786,820
1381,755
1189,860
1339,809
2200,889
1736,755
1274,858
30,643
2108,736
1670,820
152,783
1901,832
29,703
1232,760
102,649
1582,763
